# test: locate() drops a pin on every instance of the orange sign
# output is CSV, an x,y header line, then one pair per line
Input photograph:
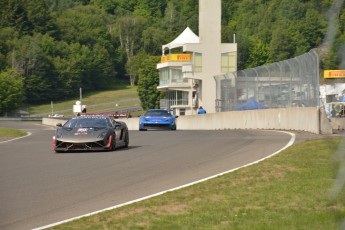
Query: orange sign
x,y
176,57
334,74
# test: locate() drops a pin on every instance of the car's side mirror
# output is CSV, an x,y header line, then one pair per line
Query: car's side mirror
x,y
59,125
176,116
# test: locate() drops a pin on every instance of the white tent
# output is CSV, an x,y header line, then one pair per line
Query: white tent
x,y
187,36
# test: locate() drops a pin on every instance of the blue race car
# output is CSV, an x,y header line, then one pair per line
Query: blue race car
x,y
157,119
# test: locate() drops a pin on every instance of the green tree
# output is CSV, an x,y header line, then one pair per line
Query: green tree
x,y
290,10
128,32
281,46
108,5
189,15
100,69
83,24
8,36
151,9
13,14
148,82
314,28
39,17
171,17
243,45
153,39
259,53
69,80
11,91
78,63
31,62
59,6
116,7
133,66
26,16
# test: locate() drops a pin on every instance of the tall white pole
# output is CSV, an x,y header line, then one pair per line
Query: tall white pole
x,y
81,98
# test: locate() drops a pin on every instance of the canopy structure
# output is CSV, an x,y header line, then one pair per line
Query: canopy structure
x,y
251,104
187,36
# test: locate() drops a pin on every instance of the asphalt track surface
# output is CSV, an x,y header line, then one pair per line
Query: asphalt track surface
x,y
39,187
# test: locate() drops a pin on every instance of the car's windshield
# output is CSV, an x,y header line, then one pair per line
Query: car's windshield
x,y
90,122
160,113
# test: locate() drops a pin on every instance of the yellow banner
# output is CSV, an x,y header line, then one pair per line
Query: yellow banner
x,y
334,74
176,57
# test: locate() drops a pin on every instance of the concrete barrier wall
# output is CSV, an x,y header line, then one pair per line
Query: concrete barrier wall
x,y
132,123
301,119
304,119
338,123
52,121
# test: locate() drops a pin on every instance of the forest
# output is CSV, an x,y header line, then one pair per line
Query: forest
x,y
51,48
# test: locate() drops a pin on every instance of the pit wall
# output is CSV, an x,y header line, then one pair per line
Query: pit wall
x,y
53,121
309,119
303,119
338,123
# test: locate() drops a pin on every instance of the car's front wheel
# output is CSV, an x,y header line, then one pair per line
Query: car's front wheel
x,y
126,140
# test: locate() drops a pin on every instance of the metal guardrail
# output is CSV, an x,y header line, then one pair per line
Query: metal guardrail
x,y
21,118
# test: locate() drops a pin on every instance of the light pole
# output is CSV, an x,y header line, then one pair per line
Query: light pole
x,y
52,107
80,95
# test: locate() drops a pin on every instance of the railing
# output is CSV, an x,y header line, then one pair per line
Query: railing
x,y
335,109
173,81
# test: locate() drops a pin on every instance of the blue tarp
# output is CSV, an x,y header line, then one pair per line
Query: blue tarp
x,y
251,104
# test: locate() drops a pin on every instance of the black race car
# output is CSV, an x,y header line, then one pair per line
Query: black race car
x,y
90,132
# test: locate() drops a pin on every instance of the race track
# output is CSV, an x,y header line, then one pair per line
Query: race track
x,y
39,187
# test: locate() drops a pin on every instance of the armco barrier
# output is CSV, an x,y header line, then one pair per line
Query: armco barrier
x,y
307,119
20,118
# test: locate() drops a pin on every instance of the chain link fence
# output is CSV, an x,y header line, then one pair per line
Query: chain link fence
x,y
289,83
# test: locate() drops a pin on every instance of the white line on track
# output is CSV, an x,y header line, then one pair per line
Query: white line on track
x,y
292,140
28,134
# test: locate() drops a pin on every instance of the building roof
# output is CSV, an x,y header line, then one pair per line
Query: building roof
x,y
334,89
187,36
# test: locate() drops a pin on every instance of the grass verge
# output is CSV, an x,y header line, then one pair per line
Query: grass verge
x,y
9,132
121,95
292,190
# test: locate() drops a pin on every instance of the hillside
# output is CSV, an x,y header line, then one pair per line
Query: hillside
x,y
49,49
117,99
